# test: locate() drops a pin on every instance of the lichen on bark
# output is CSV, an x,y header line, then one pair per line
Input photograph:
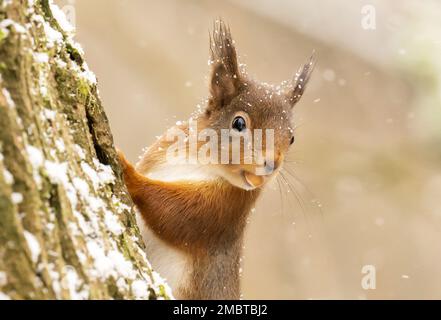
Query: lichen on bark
x,y
67,227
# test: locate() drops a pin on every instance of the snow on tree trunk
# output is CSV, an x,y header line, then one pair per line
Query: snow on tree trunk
x,y
67,227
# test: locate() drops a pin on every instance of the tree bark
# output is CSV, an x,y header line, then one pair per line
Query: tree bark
x,y
67,227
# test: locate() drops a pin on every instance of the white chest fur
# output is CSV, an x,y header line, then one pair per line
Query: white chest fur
x,y
170,263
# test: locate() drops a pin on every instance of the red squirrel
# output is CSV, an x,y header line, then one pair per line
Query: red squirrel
x,y
192,215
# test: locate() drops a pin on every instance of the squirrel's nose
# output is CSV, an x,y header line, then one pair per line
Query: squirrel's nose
x,y
271,165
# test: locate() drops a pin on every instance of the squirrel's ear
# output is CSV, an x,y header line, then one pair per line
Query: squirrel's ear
x,y
225,76
301,80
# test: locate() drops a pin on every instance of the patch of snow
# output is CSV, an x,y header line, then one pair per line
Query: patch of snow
x,y
72,282
7,3
158,281
100,177
9,101
59,143
41,57
61,18
123,266
3,278
6,23
83,71
122,284
82,257
49,114
105,173
57,172
91,173
33,245
42,83
9,178
38,18
4,296
112,223
119,205
113,264
72,195
77,47
80,152
102,264
53,36
84,226
17,198
88,75
35,156
139,289
60,63
50,226
95,204
73,228
36,159
55,277
82,187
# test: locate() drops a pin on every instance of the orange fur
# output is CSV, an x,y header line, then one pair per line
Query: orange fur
x,y
204,219
192,216
200,219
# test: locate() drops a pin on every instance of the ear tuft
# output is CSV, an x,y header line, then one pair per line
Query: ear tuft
x,y
301,80
225,75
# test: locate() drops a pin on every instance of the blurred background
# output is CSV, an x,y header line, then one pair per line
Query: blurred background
x,y
365,172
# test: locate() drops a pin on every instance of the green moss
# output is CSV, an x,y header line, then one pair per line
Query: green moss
x,y
83,91
113,289
162,292
81,120
2,36
74,54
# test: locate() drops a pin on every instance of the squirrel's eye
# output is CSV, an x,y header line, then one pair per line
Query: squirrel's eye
x,y
292,140
239,124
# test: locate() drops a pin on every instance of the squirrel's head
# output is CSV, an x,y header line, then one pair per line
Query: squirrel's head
x,y
242,105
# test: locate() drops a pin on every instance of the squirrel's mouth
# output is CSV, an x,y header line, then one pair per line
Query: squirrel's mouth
x,y
253,180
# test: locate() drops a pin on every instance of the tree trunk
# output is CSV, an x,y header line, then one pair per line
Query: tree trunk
x,y
67,227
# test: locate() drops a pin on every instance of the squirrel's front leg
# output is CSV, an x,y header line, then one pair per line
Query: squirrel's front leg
x,y
143,191
132,179
162,206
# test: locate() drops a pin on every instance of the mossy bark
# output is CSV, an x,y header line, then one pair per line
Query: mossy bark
x,y
67,227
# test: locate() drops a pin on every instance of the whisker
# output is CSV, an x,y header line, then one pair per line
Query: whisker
x,y
281,195
305,208
292,156
314,200
299,199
